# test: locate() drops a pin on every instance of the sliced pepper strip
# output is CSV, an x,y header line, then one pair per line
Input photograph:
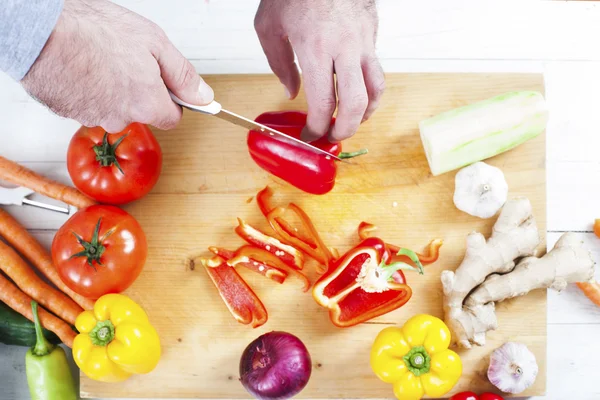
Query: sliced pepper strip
x,y
361,285
263,198
239,298
321,253
433,249
253,265
245,253
288,254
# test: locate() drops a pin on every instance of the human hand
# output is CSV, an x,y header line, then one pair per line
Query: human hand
x,y
328,36
106,66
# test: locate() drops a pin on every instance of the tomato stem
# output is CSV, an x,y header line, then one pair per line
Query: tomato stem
x,y
105,152
93,249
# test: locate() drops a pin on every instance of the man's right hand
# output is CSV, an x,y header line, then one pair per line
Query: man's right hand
x,y
106,66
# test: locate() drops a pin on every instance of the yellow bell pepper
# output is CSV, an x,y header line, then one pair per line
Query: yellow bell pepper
x,y
415,359
116,340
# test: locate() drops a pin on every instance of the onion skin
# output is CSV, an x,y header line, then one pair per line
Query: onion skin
x,y
275,366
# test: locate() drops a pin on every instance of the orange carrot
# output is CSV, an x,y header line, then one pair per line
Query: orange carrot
x,y
33,251
16,269
597,227
12,172
591,290
21,303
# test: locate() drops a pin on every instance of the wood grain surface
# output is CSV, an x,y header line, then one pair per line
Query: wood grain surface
x,y
207,179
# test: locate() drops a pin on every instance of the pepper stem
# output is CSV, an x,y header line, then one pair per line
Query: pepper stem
x,y
344,155
387,270
418,361
103,333
413,257
42,346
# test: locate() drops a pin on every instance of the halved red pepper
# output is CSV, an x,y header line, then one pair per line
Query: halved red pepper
x,y
302,168
288,254
433,253
239,298
360,285
251,253
312,245
257,266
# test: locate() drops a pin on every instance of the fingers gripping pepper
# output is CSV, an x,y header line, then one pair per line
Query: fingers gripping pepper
x,y
361,285
302,168
116,340
48,374
415,359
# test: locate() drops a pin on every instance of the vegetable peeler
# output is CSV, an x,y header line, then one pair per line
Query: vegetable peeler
x,y
19,196
215,109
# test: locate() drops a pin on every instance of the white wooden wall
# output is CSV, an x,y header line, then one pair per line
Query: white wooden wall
x,y
558,38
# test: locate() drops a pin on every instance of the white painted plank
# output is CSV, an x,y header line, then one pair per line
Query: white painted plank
x,y
572,368
573,97
431,29
573,191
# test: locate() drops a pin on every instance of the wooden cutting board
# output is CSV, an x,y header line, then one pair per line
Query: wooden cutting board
x,y
207,181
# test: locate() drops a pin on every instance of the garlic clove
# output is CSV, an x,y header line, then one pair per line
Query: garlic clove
x,y
512,368
480,190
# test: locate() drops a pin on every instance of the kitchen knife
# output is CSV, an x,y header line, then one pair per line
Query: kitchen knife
x,y
216,110
18,197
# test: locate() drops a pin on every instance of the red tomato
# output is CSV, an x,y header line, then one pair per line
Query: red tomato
x,y
490,396
114,169
473,396
465,396
99,250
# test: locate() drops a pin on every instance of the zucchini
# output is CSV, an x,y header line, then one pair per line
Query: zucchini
x,y
463,136
15,329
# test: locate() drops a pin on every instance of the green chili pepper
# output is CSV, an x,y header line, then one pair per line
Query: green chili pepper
x,y
48,374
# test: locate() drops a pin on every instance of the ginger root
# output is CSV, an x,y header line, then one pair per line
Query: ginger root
x,y
488,273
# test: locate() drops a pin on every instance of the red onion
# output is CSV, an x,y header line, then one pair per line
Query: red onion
x,y
275,366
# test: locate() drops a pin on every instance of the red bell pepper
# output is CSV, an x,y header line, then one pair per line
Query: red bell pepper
x,y
364,232
360,285
288,254
255,254
312,245
239,298
473,396
262,268
302,168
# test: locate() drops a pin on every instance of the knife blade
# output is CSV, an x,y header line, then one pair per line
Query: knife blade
x,y
216,110
19,196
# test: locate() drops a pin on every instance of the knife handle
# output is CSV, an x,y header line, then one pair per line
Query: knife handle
x,y
211,109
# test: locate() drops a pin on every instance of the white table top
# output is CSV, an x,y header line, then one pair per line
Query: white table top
x,y
557,38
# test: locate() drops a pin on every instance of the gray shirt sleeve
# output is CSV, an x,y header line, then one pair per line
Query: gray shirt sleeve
x,y
25,26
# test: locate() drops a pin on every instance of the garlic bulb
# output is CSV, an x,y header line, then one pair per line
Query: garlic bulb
x,y
513,368
480,190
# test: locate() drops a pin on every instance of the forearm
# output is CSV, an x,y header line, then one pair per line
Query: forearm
x,y
25,26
